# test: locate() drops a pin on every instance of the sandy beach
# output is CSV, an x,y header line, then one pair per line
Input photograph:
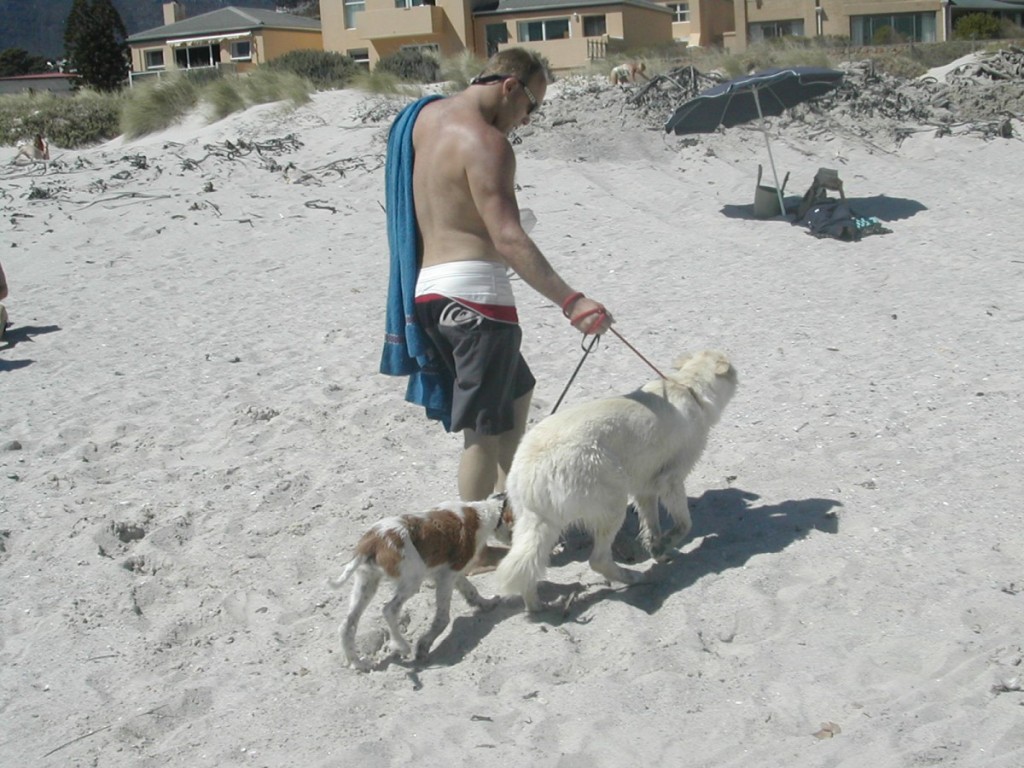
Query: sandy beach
x,y
194,433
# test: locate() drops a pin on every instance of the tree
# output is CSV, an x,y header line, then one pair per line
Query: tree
x,y
308,8
94,37
18,61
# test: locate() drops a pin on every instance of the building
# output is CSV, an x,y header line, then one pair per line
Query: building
x,y
701,22
569,34
572,34
862,22
232,37
51,82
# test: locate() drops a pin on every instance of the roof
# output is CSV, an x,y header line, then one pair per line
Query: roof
x,y
521,6
230,19
990,5
42,76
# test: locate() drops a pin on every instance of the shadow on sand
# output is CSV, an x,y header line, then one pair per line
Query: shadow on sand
x,y
14,336
882,207
730,531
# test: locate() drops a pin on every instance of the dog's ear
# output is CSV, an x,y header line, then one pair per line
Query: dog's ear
x,y
722,366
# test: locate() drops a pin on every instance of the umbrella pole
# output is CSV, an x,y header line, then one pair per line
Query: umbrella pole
x,y
771,160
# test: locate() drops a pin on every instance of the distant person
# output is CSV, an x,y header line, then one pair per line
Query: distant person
x,y
3,310
35,151
628,72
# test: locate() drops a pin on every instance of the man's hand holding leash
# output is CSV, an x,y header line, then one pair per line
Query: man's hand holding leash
x,y
586,315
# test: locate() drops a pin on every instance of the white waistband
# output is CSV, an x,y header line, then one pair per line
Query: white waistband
x,y
481,282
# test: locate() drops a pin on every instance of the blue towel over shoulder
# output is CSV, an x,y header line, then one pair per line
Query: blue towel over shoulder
x,y
407,349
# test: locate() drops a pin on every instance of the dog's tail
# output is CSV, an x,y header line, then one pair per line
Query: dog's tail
x,y
346,572
525,563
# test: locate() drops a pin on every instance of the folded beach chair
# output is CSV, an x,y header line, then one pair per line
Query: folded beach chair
x,y
766,199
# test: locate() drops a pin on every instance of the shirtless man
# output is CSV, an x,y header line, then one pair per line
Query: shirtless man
x,y
468,217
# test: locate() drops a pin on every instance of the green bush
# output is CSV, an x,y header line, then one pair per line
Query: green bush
x,y
158,105
87,117
977,26
460,69
413,65
385,83
224,97
233,94
325,69
886,36
263,86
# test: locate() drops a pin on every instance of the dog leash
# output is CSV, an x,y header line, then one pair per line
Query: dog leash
x,y
586,351
635,352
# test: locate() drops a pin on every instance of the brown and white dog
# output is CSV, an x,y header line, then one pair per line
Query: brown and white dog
x,y
441,543
35,151
582,465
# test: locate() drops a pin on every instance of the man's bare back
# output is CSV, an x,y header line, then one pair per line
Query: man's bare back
x,y
451,229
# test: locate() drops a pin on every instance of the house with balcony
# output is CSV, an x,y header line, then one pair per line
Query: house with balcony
x,y
233,38
863,22
569,34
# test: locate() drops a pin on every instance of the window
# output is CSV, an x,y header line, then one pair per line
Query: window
x,y
496,35
408,3
197,56
680,11
549,29
768,30
360,56
594,26
155,59
352,7
429,48
892,28
241,50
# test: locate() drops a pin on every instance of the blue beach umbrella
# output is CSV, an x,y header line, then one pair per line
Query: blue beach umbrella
x,y
738,101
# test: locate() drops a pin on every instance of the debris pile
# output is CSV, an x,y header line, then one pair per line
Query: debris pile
x,y
981,95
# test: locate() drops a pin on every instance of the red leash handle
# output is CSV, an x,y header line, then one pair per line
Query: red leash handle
x,y
599,311
572,299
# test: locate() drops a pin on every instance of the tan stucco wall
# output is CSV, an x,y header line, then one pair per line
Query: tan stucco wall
x,y
835,19
277,42
643,26
715,18
448,25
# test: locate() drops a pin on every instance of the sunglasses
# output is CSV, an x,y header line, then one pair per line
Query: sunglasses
x,y
488,79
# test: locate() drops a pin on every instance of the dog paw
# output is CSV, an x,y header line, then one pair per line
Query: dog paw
x,y
360,664
664,557
400,649
485,604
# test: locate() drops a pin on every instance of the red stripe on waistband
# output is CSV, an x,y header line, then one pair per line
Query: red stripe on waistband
x,y
500,312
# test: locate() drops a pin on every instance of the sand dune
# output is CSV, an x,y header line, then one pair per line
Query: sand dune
x,y
194,432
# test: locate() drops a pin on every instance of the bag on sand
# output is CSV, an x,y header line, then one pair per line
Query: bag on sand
x,y
835,218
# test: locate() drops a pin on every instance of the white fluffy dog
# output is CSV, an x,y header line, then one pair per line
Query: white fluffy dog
x,y
582,465
441,543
